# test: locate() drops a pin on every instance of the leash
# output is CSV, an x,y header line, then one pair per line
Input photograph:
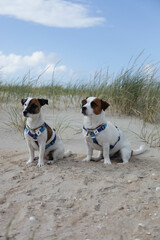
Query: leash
x,y
37,133
94,132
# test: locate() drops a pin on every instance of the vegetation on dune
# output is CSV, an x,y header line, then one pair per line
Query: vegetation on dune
x,y
134,92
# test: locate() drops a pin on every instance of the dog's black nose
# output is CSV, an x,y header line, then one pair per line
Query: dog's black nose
x,y
24,113
84,110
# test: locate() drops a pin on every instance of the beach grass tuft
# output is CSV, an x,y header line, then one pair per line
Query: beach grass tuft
x,y
133,92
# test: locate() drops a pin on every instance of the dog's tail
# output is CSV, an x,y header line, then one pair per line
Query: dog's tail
x,y
67,153
140,150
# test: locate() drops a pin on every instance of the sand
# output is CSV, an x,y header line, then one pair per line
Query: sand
x,y
76,200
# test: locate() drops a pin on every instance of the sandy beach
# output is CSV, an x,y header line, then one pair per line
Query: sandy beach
x,y
75,200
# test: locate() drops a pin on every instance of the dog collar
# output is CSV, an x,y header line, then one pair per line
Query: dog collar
x,y
94,132
38,132
34,129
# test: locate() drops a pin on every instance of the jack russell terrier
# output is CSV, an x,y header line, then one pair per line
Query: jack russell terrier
x,y
103,135
39,135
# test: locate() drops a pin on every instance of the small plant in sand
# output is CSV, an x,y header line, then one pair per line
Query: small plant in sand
x,y
151,136
15,119
9,226
61,124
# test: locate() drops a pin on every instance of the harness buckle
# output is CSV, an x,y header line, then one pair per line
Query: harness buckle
x,y
96,132
38,132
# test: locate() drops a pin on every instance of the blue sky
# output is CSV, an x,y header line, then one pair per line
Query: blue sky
x,y
86,36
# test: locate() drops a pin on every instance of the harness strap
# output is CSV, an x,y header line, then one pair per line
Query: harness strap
x,y
51,143
93,133
98,130
112,146
38,133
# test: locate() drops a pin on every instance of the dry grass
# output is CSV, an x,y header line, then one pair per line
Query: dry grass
x,y
134,92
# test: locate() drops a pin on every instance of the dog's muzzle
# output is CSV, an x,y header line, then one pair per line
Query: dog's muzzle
x,y
84,109
25,113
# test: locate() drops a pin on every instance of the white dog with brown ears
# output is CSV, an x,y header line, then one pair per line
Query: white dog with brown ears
x,y
103,135
39,135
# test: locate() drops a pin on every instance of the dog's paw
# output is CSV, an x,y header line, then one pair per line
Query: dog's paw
x,y
40,164
96,159
86,159
107,162
122,163
50,162
29,161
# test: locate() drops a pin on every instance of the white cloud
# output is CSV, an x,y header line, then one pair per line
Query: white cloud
x,y
55,13
52,67
17,65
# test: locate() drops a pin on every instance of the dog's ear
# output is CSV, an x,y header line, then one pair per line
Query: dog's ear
x,y
23,100
84,101
42,101
104,105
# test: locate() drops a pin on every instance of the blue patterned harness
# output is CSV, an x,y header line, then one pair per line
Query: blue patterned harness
x,y
93,134
38,133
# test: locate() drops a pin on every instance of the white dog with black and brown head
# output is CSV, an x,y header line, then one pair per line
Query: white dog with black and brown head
x,y
39,135
103,135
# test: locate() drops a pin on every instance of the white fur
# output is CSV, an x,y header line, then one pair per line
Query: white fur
x,y
105,138
57,149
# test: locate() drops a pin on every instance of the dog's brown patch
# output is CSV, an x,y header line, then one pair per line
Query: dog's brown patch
x,y
34,103
104,105
49,132
98,105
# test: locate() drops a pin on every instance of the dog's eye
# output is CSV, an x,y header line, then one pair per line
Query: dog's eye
x,y
93,104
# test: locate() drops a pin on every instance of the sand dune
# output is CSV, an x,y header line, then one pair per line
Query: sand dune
x,y
76,200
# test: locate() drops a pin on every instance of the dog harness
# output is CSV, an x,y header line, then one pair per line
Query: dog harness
x,y
97,130
38,133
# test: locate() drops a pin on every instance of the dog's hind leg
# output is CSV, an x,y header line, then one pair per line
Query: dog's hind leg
x,y
57,154
49,156
125,154
98,158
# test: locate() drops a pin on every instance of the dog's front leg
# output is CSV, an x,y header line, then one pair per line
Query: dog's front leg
x,y
31,153
106,154
89,154
41,155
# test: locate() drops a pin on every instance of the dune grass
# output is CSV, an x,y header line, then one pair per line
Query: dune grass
x,y
134,92
131,93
